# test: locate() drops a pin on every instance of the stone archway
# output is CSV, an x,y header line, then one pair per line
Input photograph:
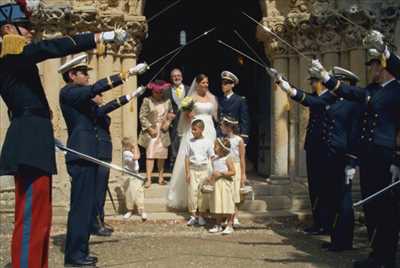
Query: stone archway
x,y
209,57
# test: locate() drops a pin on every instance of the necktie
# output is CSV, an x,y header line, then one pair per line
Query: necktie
x,y
178,91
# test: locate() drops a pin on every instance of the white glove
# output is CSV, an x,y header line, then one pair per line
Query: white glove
x,y
118,37
285,86
136,93
138,69
349,171
272,72
395,170
318,70
374,40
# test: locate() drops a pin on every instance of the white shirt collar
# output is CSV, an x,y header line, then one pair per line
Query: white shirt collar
x,y
229,95
387,82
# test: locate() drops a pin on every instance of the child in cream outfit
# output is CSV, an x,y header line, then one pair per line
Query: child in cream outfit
x,y
237,153
223,203
134,188
197,158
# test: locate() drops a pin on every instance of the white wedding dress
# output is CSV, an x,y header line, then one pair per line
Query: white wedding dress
x,y
177,191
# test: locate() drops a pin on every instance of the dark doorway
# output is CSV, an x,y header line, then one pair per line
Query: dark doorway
x,y
191,18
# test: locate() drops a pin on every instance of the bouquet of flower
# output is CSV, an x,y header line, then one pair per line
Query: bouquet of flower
x,y
187,104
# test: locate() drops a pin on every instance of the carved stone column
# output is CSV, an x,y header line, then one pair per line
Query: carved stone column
x,y
279,126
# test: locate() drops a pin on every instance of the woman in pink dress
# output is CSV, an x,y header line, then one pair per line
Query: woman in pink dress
x,y
155,118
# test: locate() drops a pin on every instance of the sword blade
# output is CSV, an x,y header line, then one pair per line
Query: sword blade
x,y
268,30
97,161
269,70
180,47
163,10
111,199
249,47
373,196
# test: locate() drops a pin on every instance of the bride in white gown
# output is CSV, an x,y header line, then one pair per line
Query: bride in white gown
x,y
205,108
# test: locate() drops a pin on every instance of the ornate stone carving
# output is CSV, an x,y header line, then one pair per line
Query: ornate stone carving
x,y
318,26
100,15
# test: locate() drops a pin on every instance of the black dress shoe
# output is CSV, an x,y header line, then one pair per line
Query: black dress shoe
x,y
310,230
326,245
91,258
108,227
366,263
80,263
334,248
315,231
101,232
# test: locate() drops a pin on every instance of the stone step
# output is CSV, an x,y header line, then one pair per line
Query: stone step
x,y
156,191
268,203
265,188
153,216
156,205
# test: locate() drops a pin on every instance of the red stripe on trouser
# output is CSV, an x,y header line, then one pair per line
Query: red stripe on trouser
x,y
40,221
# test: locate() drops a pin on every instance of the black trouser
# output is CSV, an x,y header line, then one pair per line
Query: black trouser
x,y
337,201
314,176
382,213
102,177
81,207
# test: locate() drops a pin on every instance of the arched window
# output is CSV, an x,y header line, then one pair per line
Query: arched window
x,y
182,38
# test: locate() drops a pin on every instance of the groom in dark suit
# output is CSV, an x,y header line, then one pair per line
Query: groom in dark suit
x,y
176,93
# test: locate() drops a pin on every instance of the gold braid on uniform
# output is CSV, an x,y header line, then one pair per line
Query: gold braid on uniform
x,y
13,44
382,60
119,102
124,76
100,49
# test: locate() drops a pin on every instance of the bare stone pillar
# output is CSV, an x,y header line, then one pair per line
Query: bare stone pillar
x,y
129,112
303,117
279,128
293,77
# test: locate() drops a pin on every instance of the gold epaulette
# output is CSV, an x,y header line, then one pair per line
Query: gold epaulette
x,y
382,59
124,76
13,44
100,49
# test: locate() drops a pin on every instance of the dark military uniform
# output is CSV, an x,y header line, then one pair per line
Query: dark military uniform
x,y
29,140
79,112
102,126
236,106
28,149
340,129
312,146
377,143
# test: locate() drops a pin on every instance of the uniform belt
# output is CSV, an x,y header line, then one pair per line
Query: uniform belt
x,y
42,112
